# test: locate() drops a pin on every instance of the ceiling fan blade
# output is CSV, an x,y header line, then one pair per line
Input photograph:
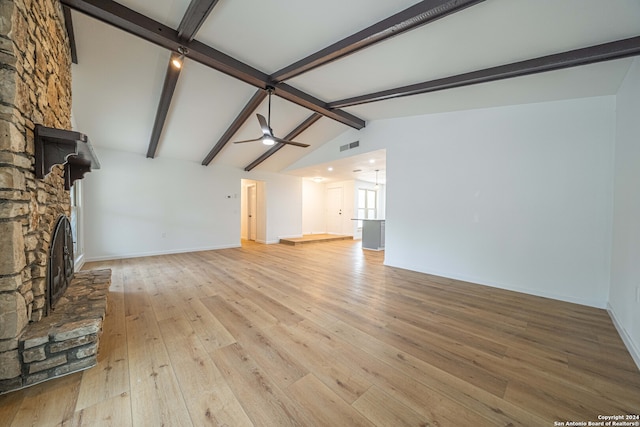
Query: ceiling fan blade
x,y
297,144
247,140
266,130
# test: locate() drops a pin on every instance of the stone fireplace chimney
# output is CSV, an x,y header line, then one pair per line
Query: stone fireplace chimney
x,y
35,88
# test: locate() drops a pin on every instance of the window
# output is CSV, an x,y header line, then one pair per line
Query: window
x,y
74,195
367,202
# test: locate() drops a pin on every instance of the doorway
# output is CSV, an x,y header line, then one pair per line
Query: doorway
x,y
251,212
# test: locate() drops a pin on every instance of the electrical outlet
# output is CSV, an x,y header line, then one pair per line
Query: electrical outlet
x,y
164,235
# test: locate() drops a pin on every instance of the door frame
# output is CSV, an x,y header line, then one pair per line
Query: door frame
x,y
252,212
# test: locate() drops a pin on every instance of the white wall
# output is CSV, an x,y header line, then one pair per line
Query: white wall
x,y
515,197
313,207
625,265
283,195
136,206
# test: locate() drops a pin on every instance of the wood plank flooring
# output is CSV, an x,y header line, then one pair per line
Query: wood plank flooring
x,y
325,335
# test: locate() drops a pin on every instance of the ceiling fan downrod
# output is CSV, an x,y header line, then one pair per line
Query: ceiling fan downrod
x,y
270,90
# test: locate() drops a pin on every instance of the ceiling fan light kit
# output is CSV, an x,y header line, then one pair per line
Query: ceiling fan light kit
x,y
268,141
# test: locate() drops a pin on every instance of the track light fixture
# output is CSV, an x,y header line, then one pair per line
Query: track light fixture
x,y
177,62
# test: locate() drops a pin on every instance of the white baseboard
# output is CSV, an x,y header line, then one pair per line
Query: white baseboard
x,y
156,253
575,300
633,349
78,263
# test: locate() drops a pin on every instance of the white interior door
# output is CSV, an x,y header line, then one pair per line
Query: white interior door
x,y
251,212
334,210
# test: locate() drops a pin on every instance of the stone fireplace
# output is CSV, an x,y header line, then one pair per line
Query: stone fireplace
x,y
35,89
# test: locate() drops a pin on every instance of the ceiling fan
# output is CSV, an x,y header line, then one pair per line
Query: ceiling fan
x,y
267,137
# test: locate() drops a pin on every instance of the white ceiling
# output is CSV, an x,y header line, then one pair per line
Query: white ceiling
x,y
368,167
118,80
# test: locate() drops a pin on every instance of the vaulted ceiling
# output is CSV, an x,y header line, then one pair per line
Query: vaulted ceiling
x,y
334,65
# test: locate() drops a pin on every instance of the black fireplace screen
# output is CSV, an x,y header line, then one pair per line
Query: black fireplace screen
x,y
60,262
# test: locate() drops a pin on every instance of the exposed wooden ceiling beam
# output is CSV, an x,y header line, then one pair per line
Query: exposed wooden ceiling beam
x,y
193,18
68,24
148,29
303,99
573,58
246,112
170,82
297,131
415,16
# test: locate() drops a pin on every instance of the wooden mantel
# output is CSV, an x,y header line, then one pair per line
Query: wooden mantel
x,y
63,147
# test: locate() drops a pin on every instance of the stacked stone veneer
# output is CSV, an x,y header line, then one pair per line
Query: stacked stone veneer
x,y
35,88
66,340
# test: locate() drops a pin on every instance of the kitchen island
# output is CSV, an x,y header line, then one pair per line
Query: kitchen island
x,y
373,234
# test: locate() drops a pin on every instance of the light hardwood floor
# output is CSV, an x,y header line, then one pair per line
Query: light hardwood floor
x,y
325,335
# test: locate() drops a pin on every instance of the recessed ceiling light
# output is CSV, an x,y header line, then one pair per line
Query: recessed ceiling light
x,y
330,169
372,161
317,179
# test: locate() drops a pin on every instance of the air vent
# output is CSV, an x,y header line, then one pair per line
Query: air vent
x,y
346,147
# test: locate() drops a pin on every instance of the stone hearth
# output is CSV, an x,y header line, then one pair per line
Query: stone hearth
x,y
65,341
